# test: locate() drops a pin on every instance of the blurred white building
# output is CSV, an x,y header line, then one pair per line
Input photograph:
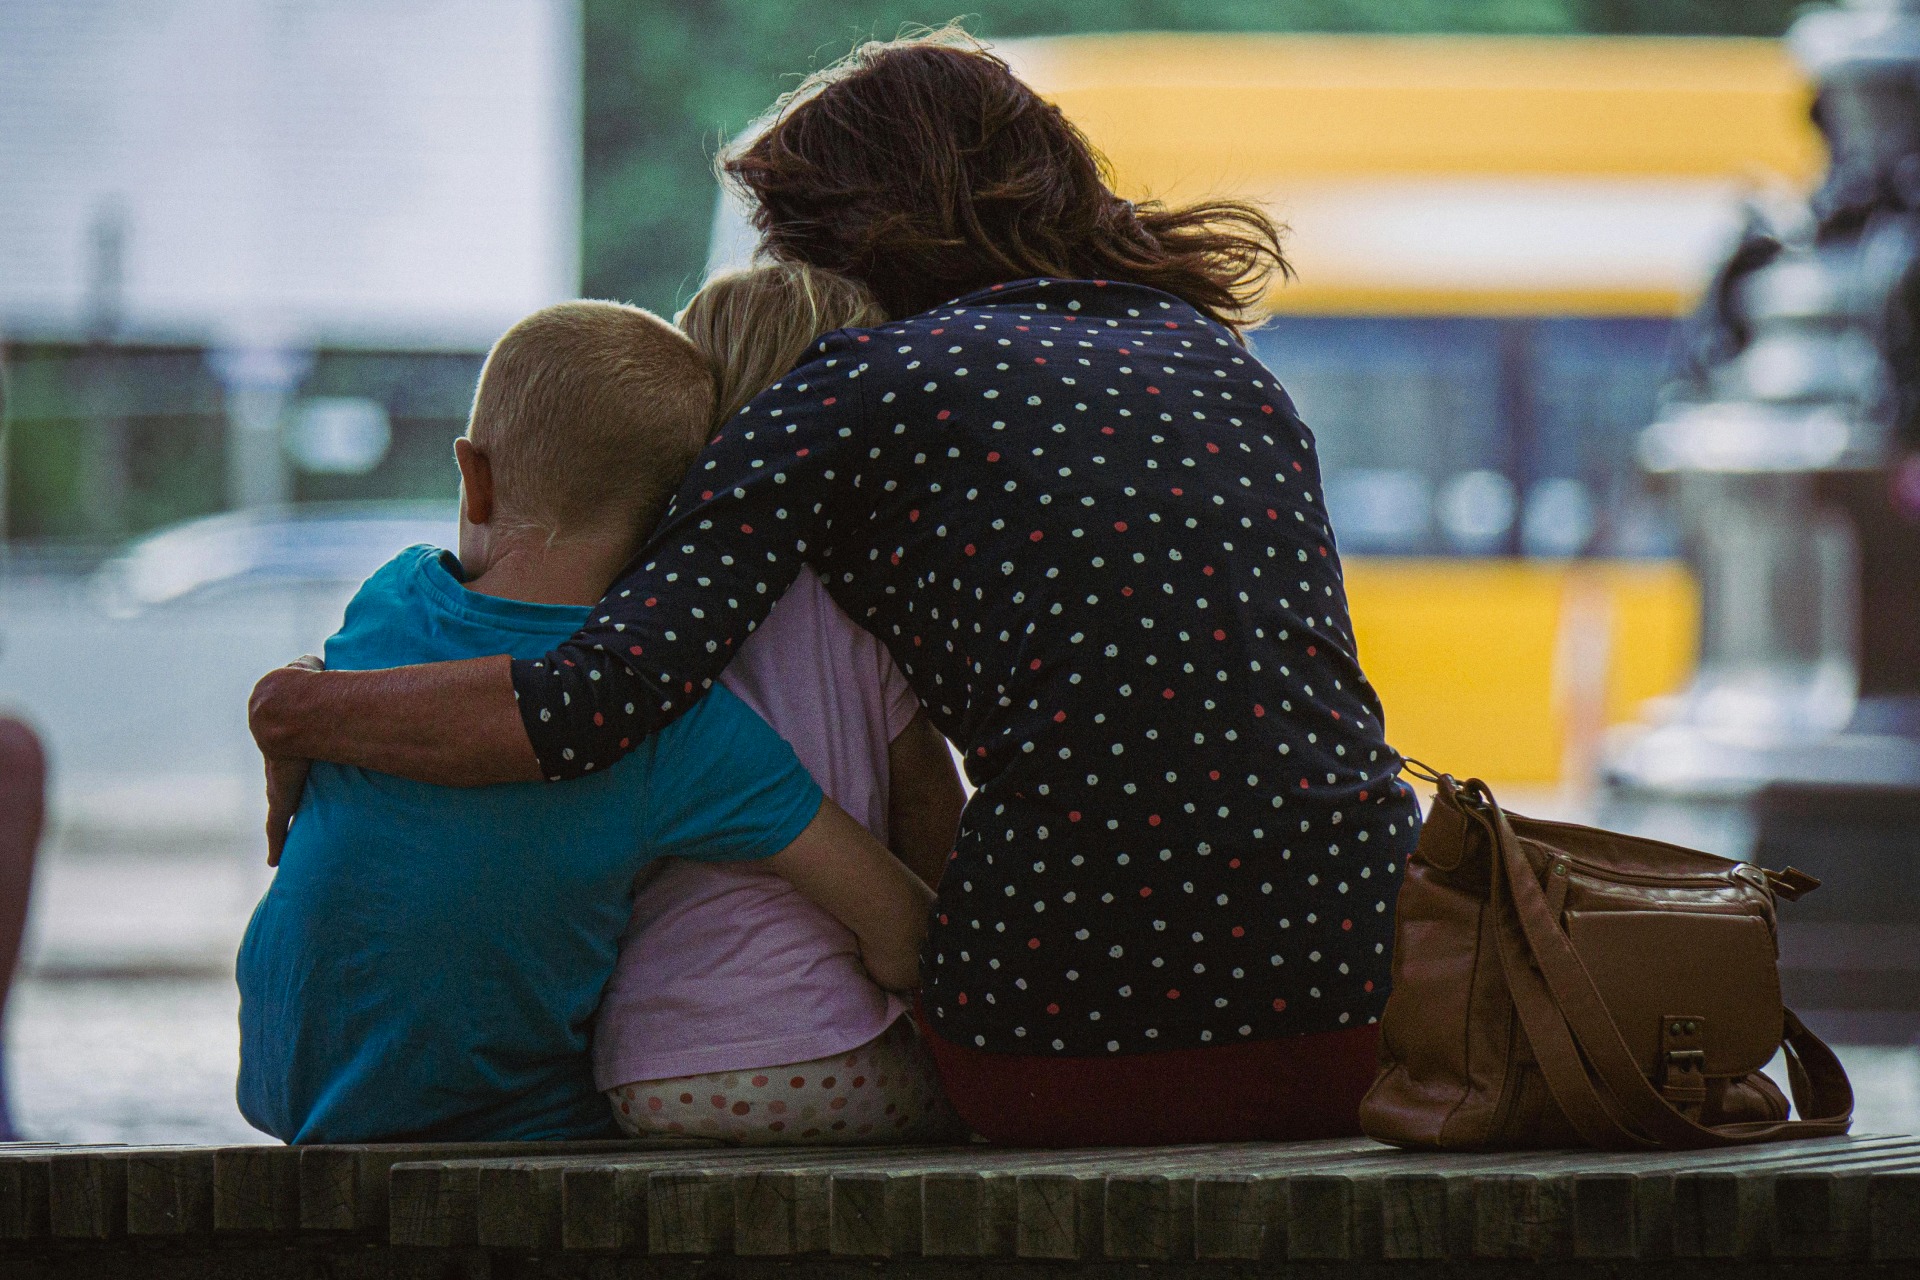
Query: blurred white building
x,y
292,173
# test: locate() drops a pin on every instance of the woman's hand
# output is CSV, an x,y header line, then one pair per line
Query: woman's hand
x,y
452,723
286,775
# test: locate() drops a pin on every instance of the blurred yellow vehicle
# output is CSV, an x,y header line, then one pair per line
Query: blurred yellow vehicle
x,y
1493,238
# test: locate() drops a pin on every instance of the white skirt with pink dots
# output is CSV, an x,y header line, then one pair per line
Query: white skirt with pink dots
x,y
885,1091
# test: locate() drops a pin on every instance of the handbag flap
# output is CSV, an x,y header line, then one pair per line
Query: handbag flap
x,y
1717,969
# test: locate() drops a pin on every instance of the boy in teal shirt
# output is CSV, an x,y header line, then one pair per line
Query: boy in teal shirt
x,y
428,960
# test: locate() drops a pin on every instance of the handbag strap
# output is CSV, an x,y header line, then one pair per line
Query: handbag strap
x,y
1575,1039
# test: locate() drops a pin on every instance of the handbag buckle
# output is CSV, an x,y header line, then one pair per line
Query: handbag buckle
x,y
1683,1075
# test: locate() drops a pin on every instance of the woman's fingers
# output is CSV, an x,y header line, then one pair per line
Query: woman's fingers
x,y
286,782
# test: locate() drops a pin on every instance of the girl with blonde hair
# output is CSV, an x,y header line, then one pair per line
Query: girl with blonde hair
x,y
738,1009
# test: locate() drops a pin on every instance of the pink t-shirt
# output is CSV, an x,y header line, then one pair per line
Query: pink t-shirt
x,y
725,967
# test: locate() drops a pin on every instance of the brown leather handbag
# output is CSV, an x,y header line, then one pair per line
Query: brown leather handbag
x,y
1561,986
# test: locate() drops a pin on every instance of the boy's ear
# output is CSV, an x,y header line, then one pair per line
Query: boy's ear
x,y
476,480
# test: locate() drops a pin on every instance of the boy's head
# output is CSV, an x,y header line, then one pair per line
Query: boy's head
x,y
587,416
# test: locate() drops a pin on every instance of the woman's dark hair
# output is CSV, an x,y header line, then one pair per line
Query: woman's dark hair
x,y
926,169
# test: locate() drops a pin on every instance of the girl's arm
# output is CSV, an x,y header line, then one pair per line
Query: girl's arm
x,y
845,872
924,799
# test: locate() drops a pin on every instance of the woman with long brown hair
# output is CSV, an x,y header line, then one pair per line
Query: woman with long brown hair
x,y
1086,522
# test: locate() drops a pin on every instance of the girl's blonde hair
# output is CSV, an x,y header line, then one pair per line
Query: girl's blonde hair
x,y
755,325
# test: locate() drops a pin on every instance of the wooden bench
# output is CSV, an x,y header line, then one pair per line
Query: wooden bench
x,y
1845,1206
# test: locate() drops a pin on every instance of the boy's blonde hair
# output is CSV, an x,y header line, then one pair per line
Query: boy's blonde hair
x,y
591,413
755,325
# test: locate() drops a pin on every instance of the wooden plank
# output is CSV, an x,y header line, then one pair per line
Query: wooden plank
x,y
875,1214
87,1195
1820,1215
1525,1216
1056,1215
256,1189
1148,1217
689,1212
1320,1210
781,1213
1413,1216
331,1192
433,1204
24,1198
1605,1216
971,1213
1893,1212
170,1193
518,1207
1239,1217
1714,1214
603,1207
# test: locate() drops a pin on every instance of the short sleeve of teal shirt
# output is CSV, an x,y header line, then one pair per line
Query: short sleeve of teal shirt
x,y
726,787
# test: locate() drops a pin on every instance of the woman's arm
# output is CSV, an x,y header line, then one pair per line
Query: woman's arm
x,y
924,799
845,872
453,723
753,507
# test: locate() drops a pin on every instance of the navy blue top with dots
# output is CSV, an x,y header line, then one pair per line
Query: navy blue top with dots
x,y
1087,523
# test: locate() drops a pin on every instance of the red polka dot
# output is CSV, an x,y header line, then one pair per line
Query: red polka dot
x,y
634,649
828,1083
1218,634
1173,993
746,528
1279,1006
1073,815
599,719
831,400
1266,408
1146,892
719,1100
1039,359
1346,926
686,1099
1059,717
1153,820
801,453
1258,710
1153,391
1033,944
1212,447
1367,985
944,414
859,1081
1311,651
969,548
1034,665
993,455
1053,1008
1120,526
759,1082
654,1104
798,1082
1035,536
1179,493
1239,931
1106,431
961,998
1166,693
1234,863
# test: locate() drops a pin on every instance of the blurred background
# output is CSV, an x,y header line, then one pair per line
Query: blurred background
x,y
253,251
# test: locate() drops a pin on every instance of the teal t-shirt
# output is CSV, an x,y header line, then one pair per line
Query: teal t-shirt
x,y
427,961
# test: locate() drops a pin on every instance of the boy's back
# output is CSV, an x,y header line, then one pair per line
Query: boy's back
x,y
427,962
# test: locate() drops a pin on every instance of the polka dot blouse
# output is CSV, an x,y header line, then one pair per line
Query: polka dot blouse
x,y
1087,523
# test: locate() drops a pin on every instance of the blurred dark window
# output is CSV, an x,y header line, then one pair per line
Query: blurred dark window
x,y
1479,436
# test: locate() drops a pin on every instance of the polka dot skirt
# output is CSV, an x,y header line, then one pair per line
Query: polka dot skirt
x,y
1087,524
884,1091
